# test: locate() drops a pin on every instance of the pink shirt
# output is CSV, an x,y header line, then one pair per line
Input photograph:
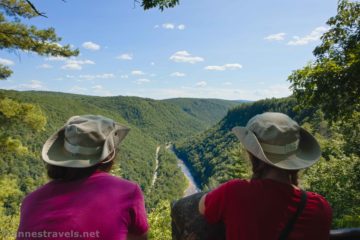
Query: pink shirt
x,y
98,207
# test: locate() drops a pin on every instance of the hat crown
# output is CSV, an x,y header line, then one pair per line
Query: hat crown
x,y
279,141
84,141
274,128
88,130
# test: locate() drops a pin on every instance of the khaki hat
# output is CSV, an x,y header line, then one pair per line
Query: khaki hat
x,y
84,141
279,141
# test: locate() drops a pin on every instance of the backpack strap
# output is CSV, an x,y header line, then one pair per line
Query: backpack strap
x,y
286,231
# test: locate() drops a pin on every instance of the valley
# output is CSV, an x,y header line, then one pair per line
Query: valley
x,y
142,157
200,151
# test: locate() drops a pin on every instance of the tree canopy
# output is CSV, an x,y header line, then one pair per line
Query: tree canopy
x,y
332,81
161,4
15,35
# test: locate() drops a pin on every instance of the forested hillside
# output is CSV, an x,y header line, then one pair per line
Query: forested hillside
x,y
209,111
152,123
216,156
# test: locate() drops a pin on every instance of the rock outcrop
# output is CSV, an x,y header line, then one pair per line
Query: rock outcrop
x,y
188,224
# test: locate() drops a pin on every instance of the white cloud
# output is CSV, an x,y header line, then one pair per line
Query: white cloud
x,y
73,64
6,62
97,87
91,46
184,56
171,26
97,76
231,93
312,37
276,37
124,76
32,85
278,90
125,56
99,90
178,74
45,66
78,89
201,84
228,66
57,58
152,64
83,61
227,83
181,27
168,26
137,72
142,81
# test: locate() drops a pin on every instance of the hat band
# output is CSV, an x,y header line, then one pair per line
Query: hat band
x,y
284,149
81,150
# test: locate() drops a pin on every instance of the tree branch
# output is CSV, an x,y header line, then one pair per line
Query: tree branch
x,y
35,10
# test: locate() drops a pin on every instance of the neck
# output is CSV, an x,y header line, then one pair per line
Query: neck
x,y
278,175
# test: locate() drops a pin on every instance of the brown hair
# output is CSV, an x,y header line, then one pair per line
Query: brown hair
x,y
260,168
72,174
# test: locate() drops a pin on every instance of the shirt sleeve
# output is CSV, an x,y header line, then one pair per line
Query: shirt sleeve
x,y
139,224
215,204
324,224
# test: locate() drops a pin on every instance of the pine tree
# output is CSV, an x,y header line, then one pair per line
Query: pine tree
x,y
15,35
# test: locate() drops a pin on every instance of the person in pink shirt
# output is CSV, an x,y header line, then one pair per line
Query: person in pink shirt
x,y
83,201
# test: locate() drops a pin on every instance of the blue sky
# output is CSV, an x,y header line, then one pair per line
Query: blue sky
x,y
232,49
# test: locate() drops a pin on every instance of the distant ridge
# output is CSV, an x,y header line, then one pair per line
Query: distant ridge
x,y
208,110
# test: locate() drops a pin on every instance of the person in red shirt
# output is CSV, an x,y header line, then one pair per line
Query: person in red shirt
x,y
271,205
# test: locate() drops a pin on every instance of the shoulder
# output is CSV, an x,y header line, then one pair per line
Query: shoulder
x,y
230,187
318,200
319,209
111,185
319,206
36,194
111,180
238,185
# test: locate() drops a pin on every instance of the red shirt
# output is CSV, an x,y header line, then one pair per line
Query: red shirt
x,y
260,209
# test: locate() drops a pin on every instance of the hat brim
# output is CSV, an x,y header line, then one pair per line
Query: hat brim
x,y
54,152
307,153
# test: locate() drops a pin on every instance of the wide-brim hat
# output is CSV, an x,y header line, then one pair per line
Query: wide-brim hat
x,y
276,139
84,141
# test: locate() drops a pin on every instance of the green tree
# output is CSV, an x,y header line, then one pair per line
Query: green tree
x,y
13,113
160,222
336,176
10,196
15,35
161,4
332,80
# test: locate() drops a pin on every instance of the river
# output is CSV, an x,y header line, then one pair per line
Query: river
x,y
192,187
